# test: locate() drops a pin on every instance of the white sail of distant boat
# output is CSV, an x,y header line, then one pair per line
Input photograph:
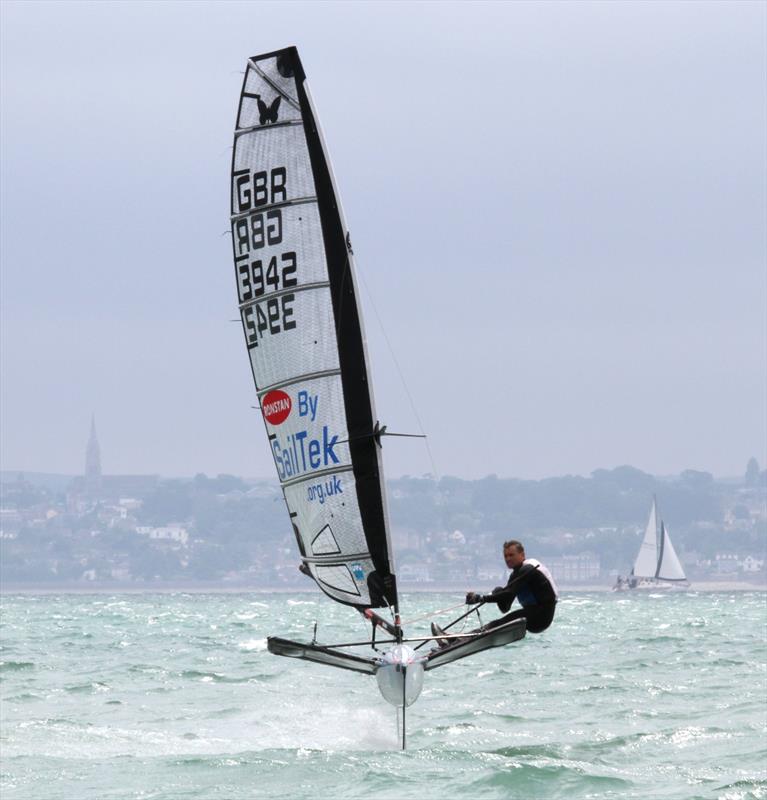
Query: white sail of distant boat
x,y
657,564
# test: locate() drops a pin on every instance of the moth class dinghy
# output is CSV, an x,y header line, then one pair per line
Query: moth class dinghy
x,y
298,302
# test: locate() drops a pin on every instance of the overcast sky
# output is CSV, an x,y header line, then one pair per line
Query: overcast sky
x,y
557,209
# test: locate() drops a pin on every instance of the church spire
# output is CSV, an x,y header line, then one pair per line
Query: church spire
x,y
93,457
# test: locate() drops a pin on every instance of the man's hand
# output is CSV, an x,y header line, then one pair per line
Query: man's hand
x,y
473,597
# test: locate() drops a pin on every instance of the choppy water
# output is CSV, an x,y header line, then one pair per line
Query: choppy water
x,y
175,696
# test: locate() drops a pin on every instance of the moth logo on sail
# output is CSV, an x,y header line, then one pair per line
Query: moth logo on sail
x,y
299,452
268,113
276,406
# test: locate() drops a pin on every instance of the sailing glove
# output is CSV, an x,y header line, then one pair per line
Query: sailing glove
x,y
473,597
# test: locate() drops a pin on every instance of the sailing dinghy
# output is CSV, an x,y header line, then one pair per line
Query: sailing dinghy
x,y
657,565
298,304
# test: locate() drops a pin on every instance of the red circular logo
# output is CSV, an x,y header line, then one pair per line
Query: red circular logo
x,y
276,406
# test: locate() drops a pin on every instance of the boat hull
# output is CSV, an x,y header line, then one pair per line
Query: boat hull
x,y
400,675
653,586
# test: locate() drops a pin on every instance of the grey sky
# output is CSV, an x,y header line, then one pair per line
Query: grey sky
x,y
558,210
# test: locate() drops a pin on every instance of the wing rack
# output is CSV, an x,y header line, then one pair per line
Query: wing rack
x,y
496,637
464,646
320,654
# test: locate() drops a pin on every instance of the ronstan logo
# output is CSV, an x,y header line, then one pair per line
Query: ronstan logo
x,y
276,406
267,113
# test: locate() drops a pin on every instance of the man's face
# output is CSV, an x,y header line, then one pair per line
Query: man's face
x,y
514,558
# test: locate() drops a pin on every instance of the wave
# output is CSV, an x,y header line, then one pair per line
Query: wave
x,y
505,717
217,677
535,750
233,760
745,789
85,688
150,669
24,697
569,779
672,736
222,713
253,644
15,666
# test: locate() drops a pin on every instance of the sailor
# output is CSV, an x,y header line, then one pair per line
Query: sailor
x,y
530,583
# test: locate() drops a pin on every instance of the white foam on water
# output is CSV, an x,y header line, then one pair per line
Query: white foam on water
x,y
253,644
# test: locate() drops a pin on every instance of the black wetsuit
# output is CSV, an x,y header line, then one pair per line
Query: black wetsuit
x,y
532,585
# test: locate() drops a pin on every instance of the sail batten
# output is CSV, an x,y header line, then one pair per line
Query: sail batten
x,y
307,287
268,80
332,560
253,128
298,304
296,201
308,376
316,475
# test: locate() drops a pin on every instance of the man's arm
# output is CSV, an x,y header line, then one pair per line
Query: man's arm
x,y
505,596
477,597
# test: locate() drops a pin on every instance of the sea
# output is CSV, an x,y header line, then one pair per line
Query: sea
x,y
174,695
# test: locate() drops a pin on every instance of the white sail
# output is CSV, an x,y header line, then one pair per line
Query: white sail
x,y
646,562
298,303
669,566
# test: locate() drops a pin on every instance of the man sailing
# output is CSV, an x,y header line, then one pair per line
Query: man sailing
x,y
530,583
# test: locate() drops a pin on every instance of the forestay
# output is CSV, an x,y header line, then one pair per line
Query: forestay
x,y
298,305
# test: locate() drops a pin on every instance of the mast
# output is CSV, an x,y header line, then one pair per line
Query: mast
x,y
358,390
660,548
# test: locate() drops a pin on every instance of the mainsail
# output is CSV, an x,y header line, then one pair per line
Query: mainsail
x,y
646,562
298,305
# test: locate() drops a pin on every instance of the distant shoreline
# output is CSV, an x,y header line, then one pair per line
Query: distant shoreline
x,y
218,588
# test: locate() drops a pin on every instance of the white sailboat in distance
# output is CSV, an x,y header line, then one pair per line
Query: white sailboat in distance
x,y
657,565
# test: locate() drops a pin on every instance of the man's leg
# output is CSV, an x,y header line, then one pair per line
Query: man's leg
x,y
538,618
496,623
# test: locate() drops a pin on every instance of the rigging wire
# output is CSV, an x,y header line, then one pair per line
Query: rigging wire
x,y
431,614
391,611
400,373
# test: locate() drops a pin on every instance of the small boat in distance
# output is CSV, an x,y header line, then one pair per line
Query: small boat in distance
x,y
657,565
